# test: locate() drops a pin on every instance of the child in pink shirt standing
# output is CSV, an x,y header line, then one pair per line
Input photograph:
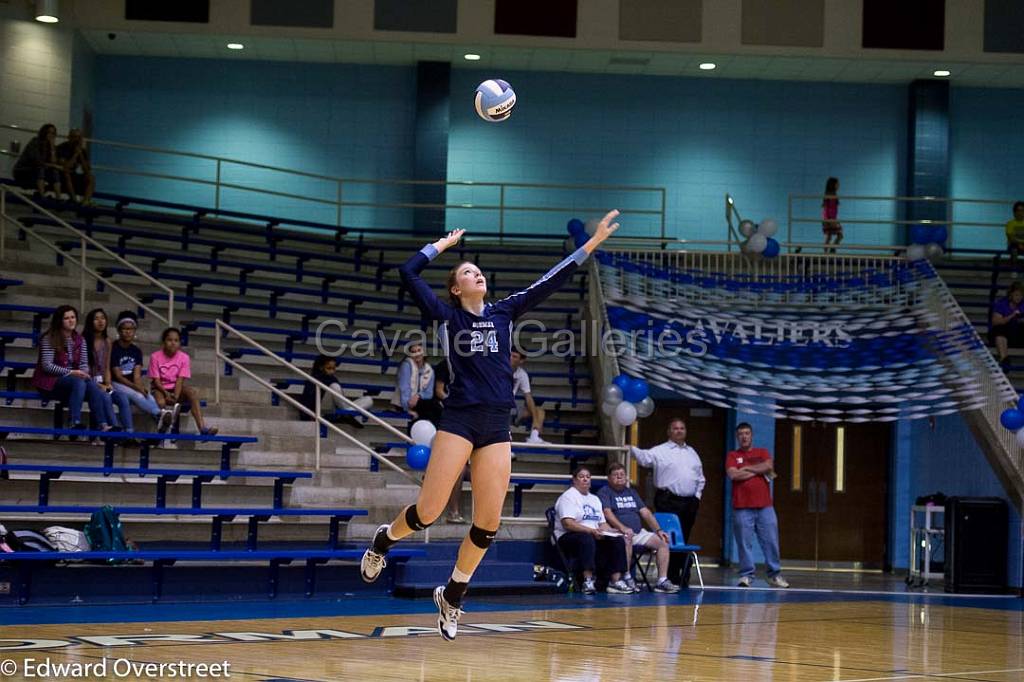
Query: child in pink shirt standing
x,y
169,367
830,224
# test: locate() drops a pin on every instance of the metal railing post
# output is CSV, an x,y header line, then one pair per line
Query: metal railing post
x,y
170,308
663,201
3,223
338,200
216,366
316,425
81,278
216,193
789,218
501,213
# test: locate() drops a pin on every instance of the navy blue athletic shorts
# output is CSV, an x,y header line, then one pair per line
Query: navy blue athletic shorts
x,y
480,425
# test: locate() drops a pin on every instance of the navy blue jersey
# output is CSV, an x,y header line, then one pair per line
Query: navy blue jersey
x,y
479,348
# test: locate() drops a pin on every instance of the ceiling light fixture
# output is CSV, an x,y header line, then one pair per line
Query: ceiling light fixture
x,y
236,46
470,57
941,73
708,66
47,10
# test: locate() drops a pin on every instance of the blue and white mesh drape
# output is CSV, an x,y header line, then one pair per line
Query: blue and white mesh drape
x,y
800,338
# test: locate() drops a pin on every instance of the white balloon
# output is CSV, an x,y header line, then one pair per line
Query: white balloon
x,y
608,409
933,252
757,243
768,227
611,394
625,413
422,432
591,226
747,227
645,408
915,252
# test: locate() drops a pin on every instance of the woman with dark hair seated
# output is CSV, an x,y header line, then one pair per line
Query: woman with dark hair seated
x,y
36,168
62,370
1007,330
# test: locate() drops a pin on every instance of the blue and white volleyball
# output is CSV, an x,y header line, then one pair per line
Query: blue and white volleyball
x,y
495,99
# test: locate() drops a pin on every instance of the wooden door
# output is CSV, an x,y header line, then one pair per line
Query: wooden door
x,y
705,433
830,494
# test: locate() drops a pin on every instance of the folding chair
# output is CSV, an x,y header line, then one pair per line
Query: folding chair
x,y
677,543
566,563
638,569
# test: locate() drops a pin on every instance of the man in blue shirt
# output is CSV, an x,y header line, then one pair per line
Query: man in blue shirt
x,y
625,511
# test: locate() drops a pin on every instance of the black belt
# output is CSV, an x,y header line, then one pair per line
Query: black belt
x,y
669,492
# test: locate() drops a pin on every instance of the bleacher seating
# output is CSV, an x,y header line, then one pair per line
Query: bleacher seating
x,y
273,282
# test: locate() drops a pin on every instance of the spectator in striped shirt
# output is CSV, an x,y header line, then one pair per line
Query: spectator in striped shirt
x,y
62,370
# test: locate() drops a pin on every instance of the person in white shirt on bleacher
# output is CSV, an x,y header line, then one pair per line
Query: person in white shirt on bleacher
x,y
521,384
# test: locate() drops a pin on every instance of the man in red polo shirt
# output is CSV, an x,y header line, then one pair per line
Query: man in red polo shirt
x,y
750,469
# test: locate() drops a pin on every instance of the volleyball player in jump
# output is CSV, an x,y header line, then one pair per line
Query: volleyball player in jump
x,y
477,338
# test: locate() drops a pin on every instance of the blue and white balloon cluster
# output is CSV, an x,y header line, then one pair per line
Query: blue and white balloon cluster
x,y
927,241
759,241
1013,419
627,399
422,433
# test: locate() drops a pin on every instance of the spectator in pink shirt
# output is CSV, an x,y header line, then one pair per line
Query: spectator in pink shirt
x,y
830,225
169,367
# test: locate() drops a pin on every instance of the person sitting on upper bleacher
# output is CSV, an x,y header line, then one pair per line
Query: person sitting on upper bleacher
x,y
76,172
1015,233
36,168
583,533
62,370
169,367
1007,329
323,371
414,386
97,344
521,384
126,371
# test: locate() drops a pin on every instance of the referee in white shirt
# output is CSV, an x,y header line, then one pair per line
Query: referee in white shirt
x,y
679,478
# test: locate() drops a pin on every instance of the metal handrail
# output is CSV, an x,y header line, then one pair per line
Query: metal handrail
x,y
317,418
501,207
81,262
950,220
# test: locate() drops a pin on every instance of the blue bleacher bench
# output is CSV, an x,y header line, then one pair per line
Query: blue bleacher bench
x,y
48,472
218,515
25,562
110,438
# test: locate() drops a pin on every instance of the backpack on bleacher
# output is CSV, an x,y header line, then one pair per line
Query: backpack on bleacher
x,y
67,539
104,531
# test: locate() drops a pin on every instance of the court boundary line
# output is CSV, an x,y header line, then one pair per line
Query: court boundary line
x,y
962,673
823,590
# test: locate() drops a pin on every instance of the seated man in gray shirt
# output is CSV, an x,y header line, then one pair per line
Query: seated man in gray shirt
x,y
625,511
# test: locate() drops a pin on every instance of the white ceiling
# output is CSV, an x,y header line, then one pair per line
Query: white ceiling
x,y
765,67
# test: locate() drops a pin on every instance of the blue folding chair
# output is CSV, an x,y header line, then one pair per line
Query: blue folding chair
x,y
677,543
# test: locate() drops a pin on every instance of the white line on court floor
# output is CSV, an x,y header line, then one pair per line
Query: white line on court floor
x,y
816,590
965,673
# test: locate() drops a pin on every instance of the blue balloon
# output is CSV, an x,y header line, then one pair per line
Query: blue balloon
x,y
636,391
920,234
938,234
1012,419
580,238
622,381
772,250
1020,402
417,456
575,226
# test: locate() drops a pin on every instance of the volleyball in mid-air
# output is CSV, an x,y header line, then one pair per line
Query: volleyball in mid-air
x,y
495,99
